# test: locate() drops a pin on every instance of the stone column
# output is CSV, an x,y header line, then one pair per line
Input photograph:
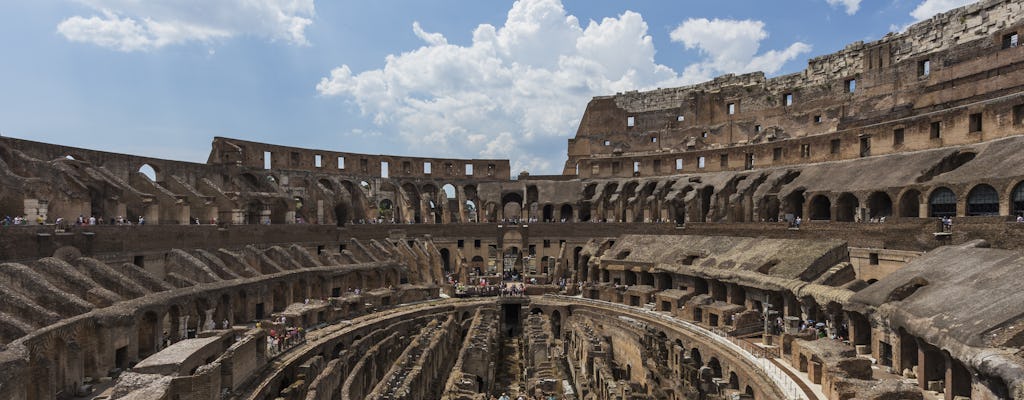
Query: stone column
x,y
209,325
183,327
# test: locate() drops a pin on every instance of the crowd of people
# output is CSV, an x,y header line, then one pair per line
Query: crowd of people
x,y
281,336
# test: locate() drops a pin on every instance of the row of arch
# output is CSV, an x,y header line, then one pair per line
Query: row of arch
x,y
981,200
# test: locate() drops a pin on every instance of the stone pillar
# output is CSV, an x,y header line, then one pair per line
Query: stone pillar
x,y
209,325
183,327
923,209
928,363
957,378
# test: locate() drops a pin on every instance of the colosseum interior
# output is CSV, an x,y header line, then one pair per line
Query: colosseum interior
x,y
850,231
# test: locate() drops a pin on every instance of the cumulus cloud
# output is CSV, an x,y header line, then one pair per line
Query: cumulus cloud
x,y
517,90
131,25
731,46
851,5
928,8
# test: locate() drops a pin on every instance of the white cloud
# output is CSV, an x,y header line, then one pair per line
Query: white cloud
x,y
518,90
433,39
132,25
928,8
851,5
730,46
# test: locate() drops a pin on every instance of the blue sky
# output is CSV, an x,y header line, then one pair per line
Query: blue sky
x,y
451,78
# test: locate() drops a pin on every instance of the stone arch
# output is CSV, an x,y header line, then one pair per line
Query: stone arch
x,y
734,381
846,207
511,205
983,199
548,213
695,356
446,266
678,209
910,204
150,171
449,190
477,264
325,184
413,196
705,195
566,212
556,323
942,202
1017,199
770,207
279,211
879,205
358,202
148,334
794,203
820,208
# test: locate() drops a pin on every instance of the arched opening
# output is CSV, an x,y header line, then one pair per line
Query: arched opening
x,y
343,213
716,367
734,381
278,212
325,184
794,204
449,190
148,331
679,211
879,205
749,391
437,211
695,356
566,212
1017,199
253,213
770,208
821,208
300,212
149,172
942,203
556,323
477,264
446,261
471,211
511,206
910,204
548,213
386,210
705,203
846,207
983,200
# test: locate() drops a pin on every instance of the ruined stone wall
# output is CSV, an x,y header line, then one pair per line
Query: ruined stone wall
x,y
949,70
253,155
